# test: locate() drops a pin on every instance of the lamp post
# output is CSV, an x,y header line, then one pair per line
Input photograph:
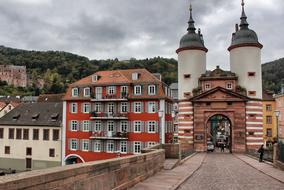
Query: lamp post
x,y
162,131
277,114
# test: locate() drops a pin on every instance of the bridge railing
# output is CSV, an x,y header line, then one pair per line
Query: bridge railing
x,y
119,173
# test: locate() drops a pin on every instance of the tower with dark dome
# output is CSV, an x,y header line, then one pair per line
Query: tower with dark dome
x,y
191,59
245,57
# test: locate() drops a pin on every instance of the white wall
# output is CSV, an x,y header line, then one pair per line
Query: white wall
x,y
244,60
40,148
191,62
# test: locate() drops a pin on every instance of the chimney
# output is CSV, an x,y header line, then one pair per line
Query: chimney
x,y
237,27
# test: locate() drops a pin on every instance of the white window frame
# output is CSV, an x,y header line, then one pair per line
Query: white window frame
x,y
74,107
94,78
98,107
152,90
98,126
135,76
86,108
111,90
99,93
151,126
137,90
110,147
123,147
75,92
137,107
152,107
229,84
137,125
87,92
111,107
151,144
74,124
97,146
207,86
124,107
110,125
138,145
123,125
86,125
85,145
75,143
124,89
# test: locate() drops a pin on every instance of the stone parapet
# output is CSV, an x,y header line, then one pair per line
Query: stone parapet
x,y
119,173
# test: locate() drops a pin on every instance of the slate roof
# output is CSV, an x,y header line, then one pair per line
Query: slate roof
x,y
44,114
50,98
267,95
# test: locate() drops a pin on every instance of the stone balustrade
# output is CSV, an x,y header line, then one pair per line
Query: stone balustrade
x,y
119,173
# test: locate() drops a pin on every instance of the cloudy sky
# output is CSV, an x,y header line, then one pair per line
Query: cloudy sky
x,y
101,29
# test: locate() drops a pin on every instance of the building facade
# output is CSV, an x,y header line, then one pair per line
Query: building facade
x,y
269,119
115,113
30,137
279,99
224,107
14,75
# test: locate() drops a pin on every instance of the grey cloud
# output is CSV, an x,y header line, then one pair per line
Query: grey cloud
x,y
135,28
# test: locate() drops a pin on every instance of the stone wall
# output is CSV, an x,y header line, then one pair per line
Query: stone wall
x,y
172,150
119,173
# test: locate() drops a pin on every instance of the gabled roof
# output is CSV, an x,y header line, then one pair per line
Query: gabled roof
x,y
235,96
34,114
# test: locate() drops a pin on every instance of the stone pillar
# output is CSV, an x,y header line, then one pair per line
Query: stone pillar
x,y
275,153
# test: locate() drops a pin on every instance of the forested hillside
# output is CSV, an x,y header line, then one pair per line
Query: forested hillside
x,y
273,75
58,69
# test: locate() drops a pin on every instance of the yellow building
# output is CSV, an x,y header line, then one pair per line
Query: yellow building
x,y
269,119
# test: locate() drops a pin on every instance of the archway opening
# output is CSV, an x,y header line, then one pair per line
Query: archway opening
x,y
219,134
73,159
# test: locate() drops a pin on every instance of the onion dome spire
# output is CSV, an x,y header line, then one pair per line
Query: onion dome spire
x,y
192,40
244,24
191,28
244,36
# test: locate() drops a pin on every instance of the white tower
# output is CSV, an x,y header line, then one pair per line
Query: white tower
x,y
191,60
245,58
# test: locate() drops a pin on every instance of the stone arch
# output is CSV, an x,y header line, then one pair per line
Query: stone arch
x,y
73,159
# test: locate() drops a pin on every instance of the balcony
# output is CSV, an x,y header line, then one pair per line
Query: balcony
x,y
97,115
109,135
113,97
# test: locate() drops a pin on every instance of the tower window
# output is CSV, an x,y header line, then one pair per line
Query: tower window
x,y
186,76
187,94
207,86
229,86
251,74
252,93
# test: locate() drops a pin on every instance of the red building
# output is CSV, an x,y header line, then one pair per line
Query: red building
x,y
115,113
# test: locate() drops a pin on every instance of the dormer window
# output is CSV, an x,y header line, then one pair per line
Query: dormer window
x,y
95,78
75,92
35,116
137,90
54,117
16,116
151,90
229,86
207,86
135,76
87,92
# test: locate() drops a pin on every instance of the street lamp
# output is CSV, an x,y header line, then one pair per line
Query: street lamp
x,y
277,114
